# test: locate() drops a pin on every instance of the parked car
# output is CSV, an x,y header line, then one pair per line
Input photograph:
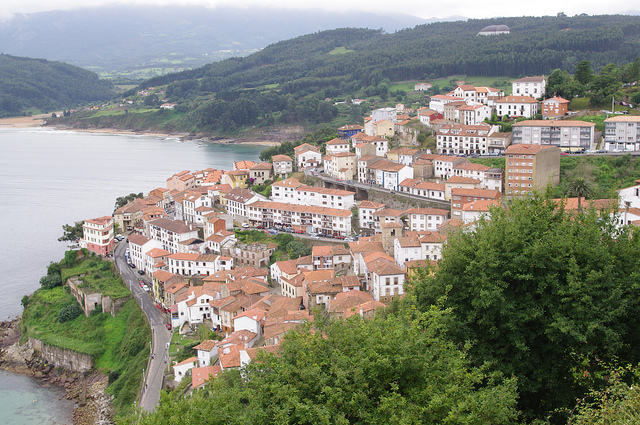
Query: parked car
x,y
245,225
140,272
299,231
133,266
146,288
315,237
349,239
340,237
273,232
168,326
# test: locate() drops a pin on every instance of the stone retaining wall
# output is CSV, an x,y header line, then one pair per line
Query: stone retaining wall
x,y
62,357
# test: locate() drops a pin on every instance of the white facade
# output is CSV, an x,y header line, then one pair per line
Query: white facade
x,y
292,193
529,86
622,133
517,106
389,114
438,101
567,135
170,233
426,219
458,139
307,218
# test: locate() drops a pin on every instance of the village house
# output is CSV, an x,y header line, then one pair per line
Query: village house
x,y
337,145
282,166
426,218
170,233
458,139
555,107
529,86
307,156
181,181
334,257
291,191
237,201
517,106
97,235
461,197
346,131
261,172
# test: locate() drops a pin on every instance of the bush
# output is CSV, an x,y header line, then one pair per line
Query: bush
x,y
113,376
50,281
69,312
25,301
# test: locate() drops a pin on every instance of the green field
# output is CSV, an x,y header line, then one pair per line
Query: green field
x,y
503,83
340,51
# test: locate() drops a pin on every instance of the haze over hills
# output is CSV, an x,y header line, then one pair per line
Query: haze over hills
x,y
126,38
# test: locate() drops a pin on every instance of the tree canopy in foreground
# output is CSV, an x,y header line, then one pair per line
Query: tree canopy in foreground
x,y
543,294
394,370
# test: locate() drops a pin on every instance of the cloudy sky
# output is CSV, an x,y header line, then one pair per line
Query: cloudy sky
x,y
468,8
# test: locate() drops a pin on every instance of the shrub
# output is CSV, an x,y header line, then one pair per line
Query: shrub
x,y
69,312
25,301
50,281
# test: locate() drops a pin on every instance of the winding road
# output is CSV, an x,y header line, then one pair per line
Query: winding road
x,y
160,335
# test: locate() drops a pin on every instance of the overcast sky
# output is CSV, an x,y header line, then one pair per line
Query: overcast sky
x,y
467,8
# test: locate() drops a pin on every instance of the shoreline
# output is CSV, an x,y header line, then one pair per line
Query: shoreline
x,y
39,121
92,403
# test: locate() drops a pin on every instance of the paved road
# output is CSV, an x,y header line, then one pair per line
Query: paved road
x,y
160,335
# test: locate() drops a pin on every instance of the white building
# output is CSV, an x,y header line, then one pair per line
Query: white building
x,y
517,106
97,235
386,279
573,136
301,217
170,233
458,139
365,213
307,156
622,133
389,114
337,145
529,86
438,101
237,201
291,191
421,219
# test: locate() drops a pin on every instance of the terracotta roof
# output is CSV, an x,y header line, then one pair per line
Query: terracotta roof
x,y
477,193
200,375
522,148
206,345
371,204
530,80
388,212
462,180
280,158
382,266
517,99
321,250
481,205
302,208
137,239
186,361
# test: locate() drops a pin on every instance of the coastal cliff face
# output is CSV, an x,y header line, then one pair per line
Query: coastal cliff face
x,y
46,364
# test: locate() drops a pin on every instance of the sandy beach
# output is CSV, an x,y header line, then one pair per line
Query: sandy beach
x,y
39,120
23,122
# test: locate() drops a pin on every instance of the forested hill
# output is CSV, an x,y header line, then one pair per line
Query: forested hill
x,y
43,85
536,45
287,82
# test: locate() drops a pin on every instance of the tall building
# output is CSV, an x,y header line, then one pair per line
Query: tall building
x,y
569,136
97,235
622,133
531,167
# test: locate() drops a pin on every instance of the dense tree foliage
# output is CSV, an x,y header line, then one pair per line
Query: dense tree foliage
x,y
396,369
545,295
121,201
45,85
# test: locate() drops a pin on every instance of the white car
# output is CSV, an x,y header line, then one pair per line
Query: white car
x,y
245,225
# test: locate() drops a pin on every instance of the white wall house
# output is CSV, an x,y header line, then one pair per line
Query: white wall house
x,y
517,106
529,86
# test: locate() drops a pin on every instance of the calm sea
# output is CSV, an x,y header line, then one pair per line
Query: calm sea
x,y
49,178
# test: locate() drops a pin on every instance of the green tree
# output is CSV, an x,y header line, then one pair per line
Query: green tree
x,y
398,369
542,294
580,188
71,233
121,201
297,248
50,281
635,98
583,73
69,312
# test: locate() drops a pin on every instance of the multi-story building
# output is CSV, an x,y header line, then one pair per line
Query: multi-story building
x,y
97,235
438,101
622,133
237,201
569,136
461,197
473,114
404,156
386,279
529,86
497,142
282,166
342,165
365,213
531,167
555,107
337,145
347,131
261,172
170,233
291,191
458,139
421,219
301,217
307,156
389,114
181,181
443,165
517,106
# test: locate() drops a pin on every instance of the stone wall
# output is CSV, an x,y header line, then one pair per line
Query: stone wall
x,y
61,357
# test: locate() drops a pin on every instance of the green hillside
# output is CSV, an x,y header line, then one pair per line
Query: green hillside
x,y
289,81
39,85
